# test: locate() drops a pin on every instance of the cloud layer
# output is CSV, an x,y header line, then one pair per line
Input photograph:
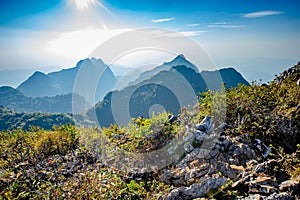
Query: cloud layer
x,y
262,14
163,20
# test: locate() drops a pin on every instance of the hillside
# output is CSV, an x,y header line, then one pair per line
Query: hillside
x,y
15,100
172,89
10,120
253,153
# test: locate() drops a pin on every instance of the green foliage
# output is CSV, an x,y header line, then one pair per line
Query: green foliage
x,y
32,162
15,100
143,135
10,120
269,112
60,141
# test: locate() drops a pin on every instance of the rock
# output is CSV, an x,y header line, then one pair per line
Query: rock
x,y
166,176
197,153
196,172
243,152
205,125
266,166
280,196
252,197
274,196
262,189
200,136
174,177
290,185
172,119
188,147
230,171
196,190
226,143
233,161
262,148
189,137
298,82
264,180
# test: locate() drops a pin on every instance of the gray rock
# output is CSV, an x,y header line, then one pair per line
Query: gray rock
x,y
274,196
212,154
262,148
230,171
262,189
205,125
196,190
252,197
200,136
280,196
196,173
263,167
290,185
226,143
188,147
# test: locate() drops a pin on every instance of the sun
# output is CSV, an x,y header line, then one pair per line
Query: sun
x,y
88,4
84,4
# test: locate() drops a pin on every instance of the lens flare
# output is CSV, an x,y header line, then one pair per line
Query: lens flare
x,y
84,4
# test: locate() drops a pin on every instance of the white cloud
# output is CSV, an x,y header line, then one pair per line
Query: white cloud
x,y
220,23
163,20
262,14
192,33
225,26
182,34
193,25
79,44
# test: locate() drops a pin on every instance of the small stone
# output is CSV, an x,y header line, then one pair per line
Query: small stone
x,y
289,185
196,190
188,147
205,125
280,196
252,197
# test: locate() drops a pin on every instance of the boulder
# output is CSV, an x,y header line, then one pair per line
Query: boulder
x,y
197,190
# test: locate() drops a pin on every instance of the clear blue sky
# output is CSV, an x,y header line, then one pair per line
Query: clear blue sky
x,y
259,38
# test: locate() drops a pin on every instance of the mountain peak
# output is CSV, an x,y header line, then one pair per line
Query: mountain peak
x,y
89,61
38,73
180,56
181,60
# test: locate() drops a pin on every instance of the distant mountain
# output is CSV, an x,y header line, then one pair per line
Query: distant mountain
x,y
229,76
16,101
178,60
10,120
172,89
39,85
62,82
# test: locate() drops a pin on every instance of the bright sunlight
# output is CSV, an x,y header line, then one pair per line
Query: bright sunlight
x,y
84,4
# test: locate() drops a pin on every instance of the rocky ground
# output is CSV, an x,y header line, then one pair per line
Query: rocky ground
x,y
234,164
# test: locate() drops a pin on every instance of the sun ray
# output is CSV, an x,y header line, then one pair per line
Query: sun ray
x,y
103,7
83,4
87,4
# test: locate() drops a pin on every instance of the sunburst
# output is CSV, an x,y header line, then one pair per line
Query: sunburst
x,y
87,4
84,4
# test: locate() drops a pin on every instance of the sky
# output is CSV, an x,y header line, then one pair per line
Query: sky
x,y
260,38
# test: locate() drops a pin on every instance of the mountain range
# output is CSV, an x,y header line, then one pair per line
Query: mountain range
x,y
15,100
168,87
62,82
